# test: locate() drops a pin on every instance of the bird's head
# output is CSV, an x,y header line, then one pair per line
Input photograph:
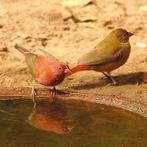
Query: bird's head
x,y
121,34
63,68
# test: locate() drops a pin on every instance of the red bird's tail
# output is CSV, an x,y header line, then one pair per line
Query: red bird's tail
x,y
78,69
21,49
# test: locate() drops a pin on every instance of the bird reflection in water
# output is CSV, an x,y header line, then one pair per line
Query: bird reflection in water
x,y
51,118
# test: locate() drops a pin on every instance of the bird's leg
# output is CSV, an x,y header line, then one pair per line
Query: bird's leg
x,y
54,93
104,76
108,74
34,94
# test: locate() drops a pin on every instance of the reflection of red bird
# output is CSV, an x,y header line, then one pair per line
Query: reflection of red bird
x,y
47,71
108,55
51,118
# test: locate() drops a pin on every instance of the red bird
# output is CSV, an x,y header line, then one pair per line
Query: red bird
x,y
47,71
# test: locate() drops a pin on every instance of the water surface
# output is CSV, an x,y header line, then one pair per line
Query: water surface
x,y
69,123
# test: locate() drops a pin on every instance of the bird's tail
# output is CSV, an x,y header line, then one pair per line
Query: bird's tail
x,y
78,69
21,49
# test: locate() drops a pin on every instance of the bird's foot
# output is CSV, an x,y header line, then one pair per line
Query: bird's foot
x,y
113,81
113,84
34,94
54,94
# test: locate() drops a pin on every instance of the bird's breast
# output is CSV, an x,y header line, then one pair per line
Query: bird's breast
x,y
49,79
45,73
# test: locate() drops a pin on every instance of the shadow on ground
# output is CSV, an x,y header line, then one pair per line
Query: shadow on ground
x,y
135,78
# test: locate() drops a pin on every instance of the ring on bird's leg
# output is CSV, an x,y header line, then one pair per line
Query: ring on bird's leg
x,y
34,94
107,74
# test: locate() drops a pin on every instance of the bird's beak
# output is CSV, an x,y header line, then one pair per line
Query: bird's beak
x,y
67,70
130,34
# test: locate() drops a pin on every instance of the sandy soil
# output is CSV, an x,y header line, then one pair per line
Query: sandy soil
x,y
68,33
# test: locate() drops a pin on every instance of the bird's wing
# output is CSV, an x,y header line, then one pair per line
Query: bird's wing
x,y
99,57
48,54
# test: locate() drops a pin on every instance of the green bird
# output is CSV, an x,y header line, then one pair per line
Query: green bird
x,y
108,55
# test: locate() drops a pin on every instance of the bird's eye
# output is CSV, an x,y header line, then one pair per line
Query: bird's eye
x,y
125,35
60,68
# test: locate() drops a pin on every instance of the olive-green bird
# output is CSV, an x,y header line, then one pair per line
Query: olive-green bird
x,y
108,55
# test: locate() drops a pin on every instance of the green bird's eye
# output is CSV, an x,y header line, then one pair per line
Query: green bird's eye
x,y
125,35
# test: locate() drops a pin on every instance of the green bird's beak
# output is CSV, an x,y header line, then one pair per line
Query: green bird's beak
x,y
130,34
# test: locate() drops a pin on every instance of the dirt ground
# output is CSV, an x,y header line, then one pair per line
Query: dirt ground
x,y
68,33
